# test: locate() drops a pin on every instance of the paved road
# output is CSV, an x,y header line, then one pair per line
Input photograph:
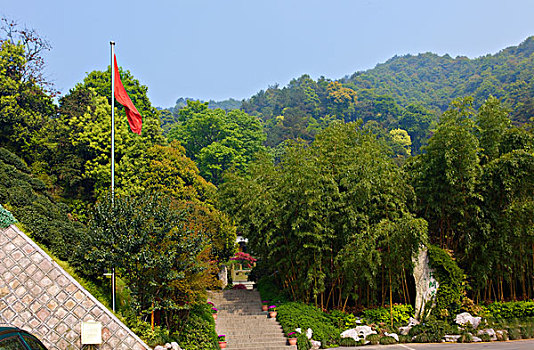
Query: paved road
x,y
527,344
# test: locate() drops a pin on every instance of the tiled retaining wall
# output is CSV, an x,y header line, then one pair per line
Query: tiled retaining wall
x,y
36,294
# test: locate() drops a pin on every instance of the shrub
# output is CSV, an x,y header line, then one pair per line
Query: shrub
x,y
527,332
299,315
387,340
451,280
431,331
198,331
342,320
465,337
374,339
347,342
404,338
303,343
485,337
401,315
513,334
510,310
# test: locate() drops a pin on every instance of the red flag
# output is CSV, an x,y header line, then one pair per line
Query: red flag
x,y
134,118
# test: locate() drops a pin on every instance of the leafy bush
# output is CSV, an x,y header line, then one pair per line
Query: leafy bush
x,y
387,340
198,332
451,280
303,343
404,339
431,331
299,315
342,320
513,333
465,337
401,315
527,332
347,342
374,339
510,310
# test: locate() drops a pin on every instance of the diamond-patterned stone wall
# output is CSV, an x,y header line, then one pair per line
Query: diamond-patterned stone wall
x,y
37,295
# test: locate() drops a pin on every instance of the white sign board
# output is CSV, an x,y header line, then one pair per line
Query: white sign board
x,y
91,333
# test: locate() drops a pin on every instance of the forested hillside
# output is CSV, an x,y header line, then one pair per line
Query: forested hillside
x,y
407,92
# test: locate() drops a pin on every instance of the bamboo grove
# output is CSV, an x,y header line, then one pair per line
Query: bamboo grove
x,y
338,221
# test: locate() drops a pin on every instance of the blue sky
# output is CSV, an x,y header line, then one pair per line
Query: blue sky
x,y
233,48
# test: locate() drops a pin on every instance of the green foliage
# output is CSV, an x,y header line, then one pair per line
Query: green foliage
x,y
303,343
44,219
527,332
218,140
302,214
387,340
510,310
465,337
150,240
374,339
198,332
401,315
513,333
405,339
451,283
343,320
431,331
347,342
298,315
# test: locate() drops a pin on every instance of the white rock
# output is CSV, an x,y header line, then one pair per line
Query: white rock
x,y
159,347
476,339
298,330
168,346
426,286
465,317
350,333
413,322
394,335
364,331
405,330
315,344
175,346
451,338
309,333
490,332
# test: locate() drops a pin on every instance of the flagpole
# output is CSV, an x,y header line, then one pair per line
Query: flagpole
x,y
112,43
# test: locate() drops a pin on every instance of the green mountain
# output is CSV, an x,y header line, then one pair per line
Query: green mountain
x,y
434,81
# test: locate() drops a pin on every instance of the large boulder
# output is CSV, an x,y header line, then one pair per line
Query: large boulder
x,y
465,318
350,333
315,344
404,330
426,286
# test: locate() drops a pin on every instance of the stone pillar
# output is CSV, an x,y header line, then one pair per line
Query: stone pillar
x,y
223,276
426,285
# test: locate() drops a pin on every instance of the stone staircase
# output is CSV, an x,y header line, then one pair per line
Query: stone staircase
x,y
245,325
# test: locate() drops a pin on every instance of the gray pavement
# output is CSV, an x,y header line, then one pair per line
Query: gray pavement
x,y
527,344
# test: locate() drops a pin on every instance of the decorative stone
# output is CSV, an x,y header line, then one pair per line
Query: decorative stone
x,y
175,346
315,344
476,339
299,330
350,333
465,318
490,332
426,286
363,331
309,333
404,330
168,346
394,335
223,276
159,347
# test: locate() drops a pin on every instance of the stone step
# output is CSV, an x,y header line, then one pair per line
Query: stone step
x,y
256,330
234,343
248,347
